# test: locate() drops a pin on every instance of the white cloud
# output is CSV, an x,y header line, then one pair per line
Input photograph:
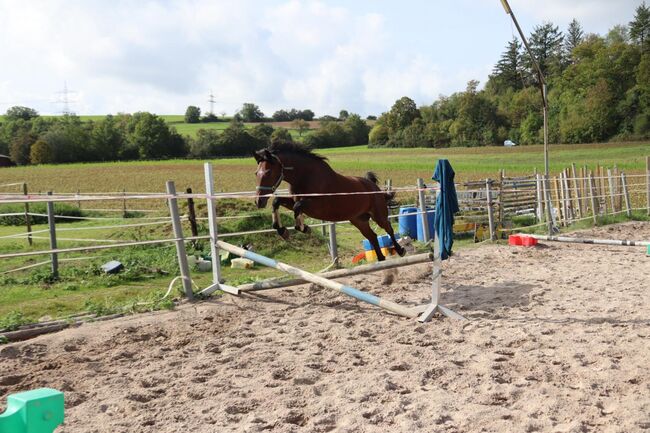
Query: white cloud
x,y
163,55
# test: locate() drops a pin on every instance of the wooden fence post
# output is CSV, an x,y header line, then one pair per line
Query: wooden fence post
x,y
556,185
593,199
52,226
538,197
423,211
626,195
191,216
124,214
611,191
647,171
181,253
488,196
28,221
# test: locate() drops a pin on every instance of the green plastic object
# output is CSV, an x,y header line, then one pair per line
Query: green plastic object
x,y
648,253
37,411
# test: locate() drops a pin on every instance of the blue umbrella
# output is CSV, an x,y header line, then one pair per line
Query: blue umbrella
x,y
446,207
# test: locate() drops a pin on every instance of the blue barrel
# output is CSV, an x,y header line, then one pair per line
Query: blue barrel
x,y
384,242
407,224
431,215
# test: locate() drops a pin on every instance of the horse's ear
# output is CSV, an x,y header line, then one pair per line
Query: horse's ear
x,y
268,156
257,156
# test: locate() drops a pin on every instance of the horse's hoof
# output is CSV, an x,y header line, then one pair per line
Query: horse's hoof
x,y
401,252
304,229
284,233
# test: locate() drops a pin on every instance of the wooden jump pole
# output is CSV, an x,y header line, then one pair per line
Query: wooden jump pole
x,y
339,273
615,242
611,190
594,212
488,197
321,281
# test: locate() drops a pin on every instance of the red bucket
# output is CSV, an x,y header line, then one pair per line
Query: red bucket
x,y
514,240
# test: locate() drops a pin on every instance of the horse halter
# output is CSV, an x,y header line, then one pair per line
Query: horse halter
x,y
280,179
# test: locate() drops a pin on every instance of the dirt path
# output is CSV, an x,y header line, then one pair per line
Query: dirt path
x,y
558,341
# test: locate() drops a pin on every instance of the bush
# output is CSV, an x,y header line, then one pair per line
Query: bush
x,y
41,153
192,114
39,208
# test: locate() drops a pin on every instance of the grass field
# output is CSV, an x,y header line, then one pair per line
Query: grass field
x,y
403,166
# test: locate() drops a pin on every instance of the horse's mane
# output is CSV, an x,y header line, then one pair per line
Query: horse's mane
x,y
290,147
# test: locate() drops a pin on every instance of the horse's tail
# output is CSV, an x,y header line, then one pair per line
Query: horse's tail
x,y
372,177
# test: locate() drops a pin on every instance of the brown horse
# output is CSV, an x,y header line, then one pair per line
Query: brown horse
x,y
308,173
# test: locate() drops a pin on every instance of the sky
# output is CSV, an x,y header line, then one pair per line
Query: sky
x,y
362,55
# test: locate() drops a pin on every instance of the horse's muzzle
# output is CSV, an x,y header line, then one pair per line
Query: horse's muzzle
x,y
261,202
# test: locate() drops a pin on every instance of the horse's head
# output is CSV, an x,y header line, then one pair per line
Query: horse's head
x,y
269,175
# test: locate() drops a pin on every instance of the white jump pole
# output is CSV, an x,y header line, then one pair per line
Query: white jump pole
x,y
214,250
324,282
614,242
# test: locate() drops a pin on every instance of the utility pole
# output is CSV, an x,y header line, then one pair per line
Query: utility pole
x,y
64,99
211,100
542,86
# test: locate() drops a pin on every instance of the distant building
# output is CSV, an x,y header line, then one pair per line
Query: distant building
x,y
5,161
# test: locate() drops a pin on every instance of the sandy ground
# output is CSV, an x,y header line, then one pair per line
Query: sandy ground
x,y
558,341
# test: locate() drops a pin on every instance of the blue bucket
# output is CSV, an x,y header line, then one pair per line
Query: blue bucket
x,y
407,224
431,215
384,242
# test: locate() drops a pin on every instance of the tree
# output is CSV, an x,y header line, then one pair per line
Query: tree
x,y
402,114
357,129
546,43
343,114
640,26
508,72
41,153
106,140
301,126
281,116
574,37
378,136
281,134
18,112
151,136
19,147
307,115
251,113
192,114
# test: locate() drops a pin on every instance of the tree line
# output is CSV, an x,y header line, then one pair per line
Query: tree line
x,y
28,138
598,90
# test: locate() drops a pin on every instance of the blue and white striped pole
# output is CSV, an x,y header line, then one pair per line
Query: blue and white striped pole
x,y
324,282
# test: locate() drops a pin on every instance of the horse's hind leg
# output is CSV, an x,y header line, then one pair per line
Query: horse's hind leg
x,y
381,218
362,223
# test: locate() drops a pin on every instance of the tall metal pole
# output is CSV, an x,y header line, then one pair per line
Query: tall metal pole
x,y
542,84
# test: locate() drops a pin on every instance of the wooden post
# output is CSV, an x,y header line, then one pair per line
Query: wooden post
x,y
576,191
626,194
593,199
323,228
488,197
617,189
334,251
502,174
556,184
52,226
423,211
600,184
647,185
191,216
611,190
181,254
124,214
538,198
28,220
78,201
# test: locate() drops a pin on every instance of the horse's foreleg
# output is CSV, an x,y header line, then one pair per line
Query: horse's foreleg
x,y
298,213
277,222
